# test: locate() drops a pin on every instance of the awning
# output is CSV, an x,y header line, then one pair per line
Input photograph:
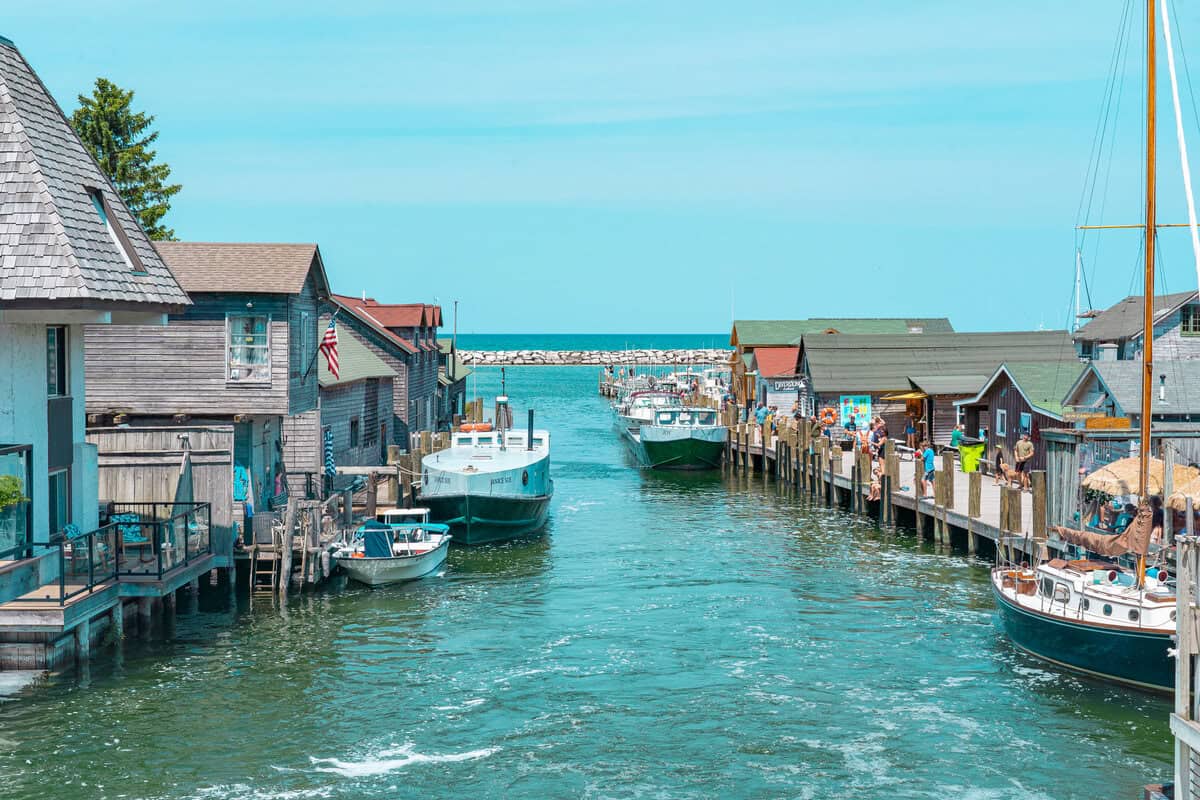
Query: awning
x,y
905,396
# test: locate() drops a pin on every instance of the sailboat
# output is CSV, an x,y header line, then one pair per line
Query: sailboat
x,y
1096,616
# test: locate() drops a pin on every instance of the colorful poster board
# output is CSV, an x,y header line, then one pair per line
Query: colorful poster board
x,y
857,406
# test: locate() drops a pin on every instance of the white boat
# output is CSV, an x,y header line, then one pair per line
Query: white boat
x,y
639,408
490,484
400,544
679,438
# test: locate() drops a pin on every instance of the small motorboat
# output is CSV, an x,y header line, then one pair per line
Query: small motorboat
x,y
400,544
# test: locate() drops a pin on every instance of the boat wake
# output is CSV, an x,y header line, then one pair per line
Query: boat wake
x,y
393,759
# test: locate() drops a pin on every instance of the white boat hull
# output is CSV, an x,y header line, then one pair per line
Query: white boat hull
x,y
385,571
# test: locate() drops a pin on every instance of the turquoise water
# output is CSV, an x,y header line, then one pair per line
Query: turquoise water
x,y
592,341
671,636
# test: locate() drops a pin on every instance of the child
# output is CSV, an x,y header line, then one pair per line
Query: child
x,y
928,456
876,473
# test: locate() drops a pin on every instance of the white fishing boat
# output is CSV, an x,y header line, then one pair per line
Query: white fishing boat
x,y
639,408
400,544
679,438
492,483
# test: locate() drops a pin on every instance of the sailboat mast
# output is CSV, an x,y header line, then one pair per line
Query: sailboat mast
x,y
1151,231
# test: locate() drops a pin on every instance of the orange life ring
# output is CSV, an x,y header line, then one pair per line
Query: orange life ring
x,y
828,417
471,427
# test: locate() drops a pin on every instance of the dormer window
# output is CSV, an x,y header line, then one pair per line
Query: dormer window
x,y
1190,320
115,232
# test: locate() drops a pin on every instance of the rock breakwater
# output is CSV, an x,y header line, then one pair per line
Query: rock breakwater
x,y
618,358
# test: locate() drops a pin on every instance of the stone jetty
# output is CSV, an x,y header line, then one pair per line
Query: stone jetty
x,y
618,358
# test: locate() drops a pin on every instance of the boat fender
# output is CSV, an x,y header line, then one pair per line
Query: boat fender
x,y
1112,576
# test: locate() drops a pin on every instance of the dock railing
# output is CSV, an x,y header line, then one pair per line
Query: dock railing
x,y
85,561
156,538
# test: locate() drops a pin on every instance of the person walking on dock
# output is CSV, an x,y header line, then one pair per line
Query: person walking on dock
x,y
760,413
1023,454
928,456
956,436
910,432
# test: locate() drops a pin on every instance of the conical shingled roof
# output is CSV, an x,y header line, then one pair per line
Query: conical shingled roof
x,y
54,245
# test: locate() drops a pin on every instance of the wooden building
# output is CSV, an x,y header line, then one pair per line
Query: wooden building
x,y
1115,334
452,383
71,256
355,410
241,355
1020,397
747,335
895,376
404,336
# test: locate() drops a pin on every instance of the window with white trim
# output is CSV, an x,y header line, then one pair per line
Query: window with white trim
x,y
1001,422
248,356
1190,320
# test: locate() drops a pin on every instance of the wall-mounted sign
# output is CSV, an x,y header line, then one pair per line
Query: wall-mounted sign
x,y
856,406
1106,423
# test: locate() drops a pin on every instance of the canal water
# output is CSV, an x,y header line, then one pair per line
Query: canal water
x,y
670,636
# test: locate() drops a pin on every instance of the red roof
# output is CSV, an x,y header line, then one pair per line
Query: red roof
x,y
396,315
775,362
363,315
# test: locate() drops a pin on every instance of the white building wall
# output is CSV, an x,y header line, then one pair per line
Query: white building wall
x,y
23,408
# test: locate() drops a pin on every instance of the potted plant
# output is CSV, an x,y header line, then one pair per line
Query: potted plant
x,y
12,512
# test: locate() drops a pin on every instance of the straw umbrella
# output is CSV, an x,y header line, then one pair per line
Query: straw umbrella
x,y
1178,499
1121,477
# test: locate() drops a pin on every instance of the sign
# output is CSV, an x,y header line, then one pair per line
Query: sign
x,y
790,385
1106,423
856,406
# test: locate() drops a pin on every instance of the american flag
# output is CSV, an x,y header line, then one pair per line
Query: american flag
x,y
329,349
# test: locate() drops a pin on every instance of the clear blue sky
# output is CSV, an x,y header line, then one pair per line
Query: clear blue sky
x,y
613,166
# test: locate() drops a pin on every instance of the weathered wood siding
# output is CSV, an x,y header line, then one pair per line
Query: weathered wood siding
x,y
142,465
945,417
1169,341
304,329
302,448
1004,395
370,403
180,368
395,358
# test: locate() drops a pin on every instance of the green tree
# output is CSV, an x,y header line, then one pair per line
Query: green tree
x,y
119,139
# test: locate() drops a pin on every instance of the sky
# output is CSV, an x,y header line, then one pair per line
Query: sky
x,y
633,166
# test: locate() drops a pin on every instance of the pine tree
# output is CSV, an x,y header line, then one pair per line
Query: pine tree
x,y
119,140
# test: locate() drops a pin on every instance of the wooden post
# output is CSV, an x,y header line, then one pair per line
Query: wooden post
x,y
1038,483
885,499
1185,645
939,499
285,556
974,501
347,508
948,472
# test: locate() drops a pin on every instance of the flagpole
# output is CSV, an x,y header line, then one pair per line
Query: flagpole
x,y
317,352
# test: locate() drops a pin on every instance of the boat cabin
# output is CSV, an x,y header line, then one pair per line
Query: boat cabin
x,y
686,417
516,439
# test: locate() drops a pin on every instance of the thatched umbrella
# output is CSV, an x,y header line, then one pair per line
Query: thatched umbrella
x,y
1178,498
1121,477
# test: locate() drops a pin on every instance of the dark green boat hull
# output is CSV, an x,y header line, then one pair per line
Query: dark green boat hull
x,y
682,454
1127,656
480,519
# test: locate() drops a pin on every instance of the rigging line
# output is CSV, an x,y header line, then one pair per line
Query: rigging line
x,y
1098,133
1112,143
1179,135
1187,73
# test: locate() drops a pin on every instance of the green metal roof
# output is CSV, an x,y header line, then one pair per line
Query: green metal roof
x,y
356,362
1043,384
756,332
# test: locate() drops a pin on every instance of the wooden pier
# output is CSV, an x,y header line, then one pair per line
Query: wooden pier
x,y
965,508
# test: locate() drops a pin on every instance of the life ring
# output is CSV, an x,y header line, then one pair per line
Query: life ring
x,y
472,427
828,417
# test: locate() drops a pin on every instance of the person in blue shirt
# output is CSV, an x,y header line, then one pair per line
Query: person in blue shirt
x,y
927,455
760,413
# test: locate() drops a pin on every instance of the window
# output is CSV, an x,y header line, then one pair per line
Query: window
x,y
56,361
1047,587
1026,422
1062,593
354,431
116,233
249,359
60,500
1190,320
1001,423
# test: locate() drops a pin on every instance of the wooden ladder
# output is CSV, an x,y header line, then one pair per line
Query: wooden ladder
x,y
264,572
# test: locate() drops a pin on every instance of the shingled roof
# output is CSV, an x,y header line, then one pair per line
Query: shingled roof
x,y
356,362
1124,319
766,332
868,364
1122,381
54,243
244,267
1041,383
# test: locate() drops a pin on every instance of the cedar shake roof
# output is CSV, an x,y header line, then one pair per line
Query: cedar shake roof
x,y
760,332
54,245
776,361
1124,319
252,268
365,318
869,364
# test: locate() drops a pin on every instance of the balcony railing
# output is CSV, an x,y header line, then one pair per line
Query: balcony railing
x,y
156,538
85,561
